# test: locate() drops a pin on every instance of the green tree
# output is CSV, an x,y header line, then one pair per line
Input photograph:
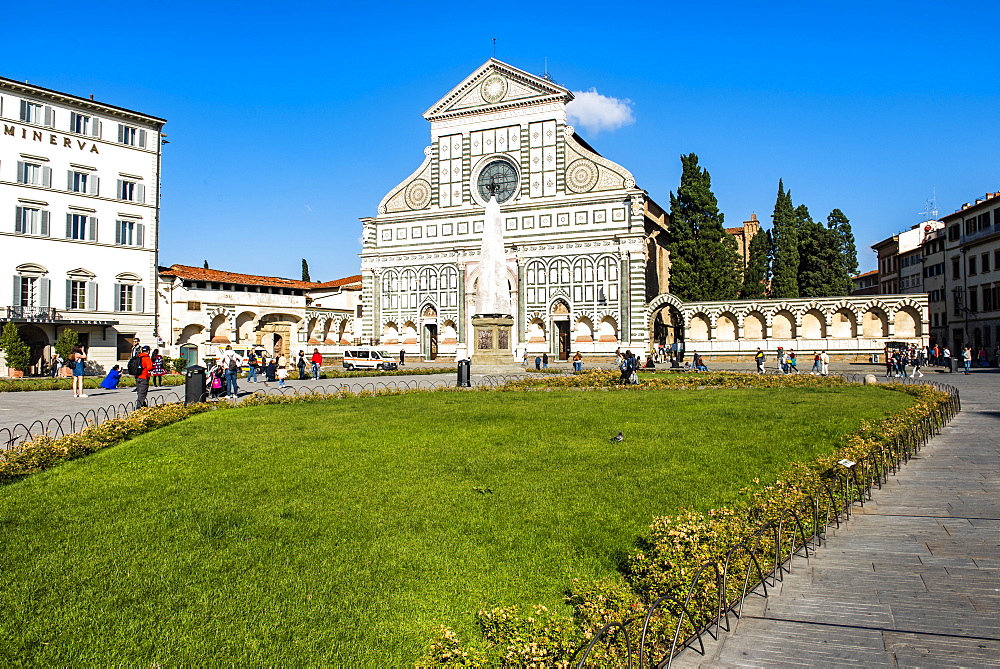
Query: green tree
x,y
758,271
820,264
785,238
703,259
67,341
305,270
839,223
16,352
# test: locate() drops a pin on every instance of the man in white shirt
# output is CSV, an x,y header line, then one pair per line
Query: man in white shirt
x,y
824,363
231,362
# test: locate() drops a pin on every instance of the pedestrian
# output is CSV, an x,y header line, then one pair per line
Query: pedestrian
x,y
142,381
782,367
402,358
699,363
524,358
890,362
918,362
824,363
793,365
538,364
231,362
77,358
937,355
946,357
57,363
158,371
967,359
577,362
253,363
545,360
817,367
136,348
759,359
317,362
982,357
282,375
110,381
300,362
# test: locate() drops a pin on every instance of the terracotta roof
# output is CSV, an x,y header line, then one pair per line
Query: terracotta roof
x,y
859,276
735,231
346,281
218,276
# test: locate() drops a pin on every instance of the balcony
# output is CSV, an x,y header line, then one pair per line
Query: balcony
x,y
32,314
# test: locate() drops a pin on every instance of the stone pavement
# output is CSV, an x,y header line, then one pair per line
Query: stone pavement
x,y
913,579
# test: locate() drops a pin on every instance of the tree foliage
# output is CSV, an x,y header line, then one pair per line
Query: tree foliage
x,y
67,341
821,266
305,270
16,352
784,231
757,275
839,223
703,255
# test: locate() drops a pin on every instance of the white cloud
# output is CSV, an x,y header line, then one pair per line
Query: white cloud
x,y
597,112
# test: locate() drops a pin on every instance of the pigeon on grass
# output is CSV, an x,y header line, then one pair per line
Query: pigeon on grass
x,y
618,437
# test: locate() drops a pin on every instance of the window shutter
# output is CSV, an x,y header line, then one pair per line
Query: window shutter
x,y
46,216
44,289
91,296
24,110
22,176
138,299
118,232
92,224
142,138
69,226
69,180
95,184
16,300
121,195
69,293
19,220
96,127
72,121
121,133
49,116
140,193
118,298
140,233
46,176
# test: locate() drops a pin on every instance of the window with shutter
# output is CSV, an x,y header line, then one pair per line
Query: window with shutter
x,y
16,295
138,299
19,220
92,296
142,138
119,297
92,229
140,232
44,231
69,293
44,291
47,176
140,193
50,116
93,185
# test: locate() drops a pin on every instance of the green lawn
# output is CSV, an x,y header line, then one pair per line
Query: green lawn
x,y
343,533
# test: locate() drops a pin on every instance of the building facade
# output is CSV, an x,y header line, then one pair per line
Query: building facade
x,y
203,310
79,216
584,245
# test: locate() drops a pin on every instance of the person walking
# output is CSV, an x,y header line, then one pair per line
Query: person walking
x,y
142,381
300,364
918,361
253,364
77,358
967,359
890,363
824,363
282,375
625,368
402,358
524,358
231,362
158,371
538,363
317,362
817,367
577,362
545,360
781,361
759,359
793,365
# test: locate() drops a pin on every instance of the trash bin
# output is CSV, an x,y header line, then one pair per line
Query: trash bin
x,y
949,365
464,373
194,384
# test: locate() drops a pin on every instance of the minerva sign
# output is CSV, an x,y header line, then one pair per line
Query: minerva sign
x,y
52,138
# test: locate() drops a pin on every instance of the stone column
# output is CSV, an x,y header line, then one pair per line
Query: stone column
x,y
461,325
522,308
625,298
376,305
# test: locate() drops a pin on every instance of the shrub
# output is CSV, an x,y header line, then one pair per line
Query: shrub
x,y
67,341
17,353
180,364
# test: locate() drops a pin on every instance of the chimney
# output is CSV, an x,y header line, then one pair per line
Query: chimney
x,y
91,96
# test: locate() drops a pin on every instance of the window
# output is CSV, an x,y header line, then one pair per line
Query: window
x,y
954,233
81,182
82,227
128,296
84,125
77,298
988,304
35,112
129,233
985,262
973,299
131,191
34,174
956,270
131,135
31,290
31,221
972,265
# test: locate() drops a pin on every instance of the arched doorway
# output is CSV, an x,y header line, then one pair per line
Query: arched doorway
x,y
38,344
668,330
430,332
561,324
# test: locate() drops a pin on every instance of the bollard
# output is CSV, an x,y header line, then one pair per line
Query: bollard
x,y
950,365
464,373
194,384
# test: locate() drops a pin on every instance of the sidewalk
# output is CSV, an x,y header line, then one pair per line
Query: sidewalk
x,y
913,579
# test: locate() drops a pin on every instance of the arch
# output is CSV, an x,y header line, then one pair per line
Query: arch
x,y
37,342
874,323
191,334
536,331
390,333
753,325
843,324
906,323
584,328
725,326
219,329
449,333
813,325
607,330
31,269
664,299
428,311
128,277
783,325
245,326
345,333
559,307
311,326
409,334
327,326
699,328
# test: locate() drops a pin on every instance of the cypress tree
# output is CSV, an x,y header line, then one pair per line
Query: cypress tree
x,y
821,265
703,259
785,266
305,270
758,271
841,225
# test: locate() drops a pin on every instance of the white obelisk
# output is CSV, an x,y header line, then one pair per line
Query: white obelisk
x,y
492,291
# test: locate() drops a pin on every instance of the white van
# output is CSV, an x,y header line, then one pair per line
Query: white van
x,y
368,358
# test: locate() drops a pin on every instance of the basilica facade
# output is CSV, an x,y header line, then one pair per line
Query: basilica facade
x,y
584,245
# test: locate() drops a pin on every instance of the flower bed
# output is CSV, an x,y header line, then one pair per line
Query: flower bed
x,y
89,383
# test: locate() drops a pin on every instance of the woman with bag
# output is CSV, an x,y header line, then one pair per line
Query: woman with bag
x,y
156,374
77,358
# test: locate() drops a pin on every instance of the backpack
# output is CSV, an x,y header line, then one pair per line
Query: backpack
x,y
233,365
135,365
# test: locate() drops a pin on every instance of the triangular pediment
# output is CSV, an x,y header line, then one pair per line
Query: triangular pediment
x,y
496,86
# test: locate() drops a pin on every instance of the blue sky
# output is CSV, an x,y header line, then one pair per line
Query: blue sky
x,y
289,121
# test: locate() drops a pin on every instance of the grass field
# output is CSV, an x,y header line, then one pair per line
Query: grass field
x,y
343,533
